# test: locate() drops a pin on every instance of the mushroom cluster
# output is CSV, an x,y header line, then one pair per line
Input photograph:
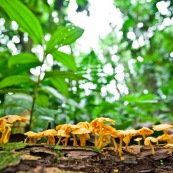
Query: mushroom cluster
x,y
100,128
6,124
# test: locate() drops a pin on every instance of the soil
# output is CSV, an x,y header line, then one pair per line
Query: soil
x,y
41,158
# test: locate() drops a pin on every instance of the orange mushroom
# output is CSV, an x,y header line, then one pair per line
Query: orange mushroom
x,y
50,134
6,135
40,135
83,133
128,134
32,136
162,127
96,126
120,134
138,140
148,141
83,124
63,131
170,146
165,137
60,134
107,133
5,126
13,118
144,131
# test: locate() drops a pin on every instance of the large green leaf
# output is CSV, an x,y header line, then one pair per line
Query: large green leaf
x,y
23,58
42,100
13,90
59,96
60,84
64,74
24,17
63,36
14,80
65,59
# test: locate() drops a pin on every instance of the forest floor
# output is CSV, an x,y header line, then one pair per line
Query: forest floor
x,y
41,158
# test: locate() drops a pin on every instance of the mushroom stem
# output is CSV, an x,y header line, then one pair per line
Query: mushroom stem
x,y
66,141
99,141
100,133
164,131
25,140
82,140
51,140
144,137
6,136
120,147
114,142
34,140
152,148
95,139
59,140
139,143
30,140
74,140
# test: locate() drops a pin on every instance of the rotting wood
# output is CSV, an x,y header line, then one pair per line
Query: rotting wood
x,y
88,159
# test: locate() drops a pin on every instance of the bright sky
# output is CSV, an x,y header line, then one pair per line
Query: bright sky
x,y
102,12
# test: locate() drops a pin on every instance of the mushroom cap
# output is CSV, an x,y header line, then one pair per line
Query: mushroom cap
x,y
164,137
62,133
108,130
115,134
137,139
168,146
97,121
30,134
162,127
80,131
66,127
40,135
13,118
83,124
144,130
49,132
94,126
102,120
150,139
130,132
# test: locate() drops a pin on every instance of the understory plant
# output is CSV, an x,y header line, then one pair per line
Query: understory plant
x,y
18,84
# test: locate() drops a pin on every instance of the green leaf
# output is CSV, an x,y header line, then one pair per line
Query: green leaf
x,y
19,102
14,80
23,58
64,36
24,17
63,75
42,100
56,94
65,59
40,111
124,125
60,84
12,90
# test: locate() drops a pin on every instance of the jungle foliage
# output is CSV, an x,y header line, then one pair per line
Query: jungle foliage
x,y
69,88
